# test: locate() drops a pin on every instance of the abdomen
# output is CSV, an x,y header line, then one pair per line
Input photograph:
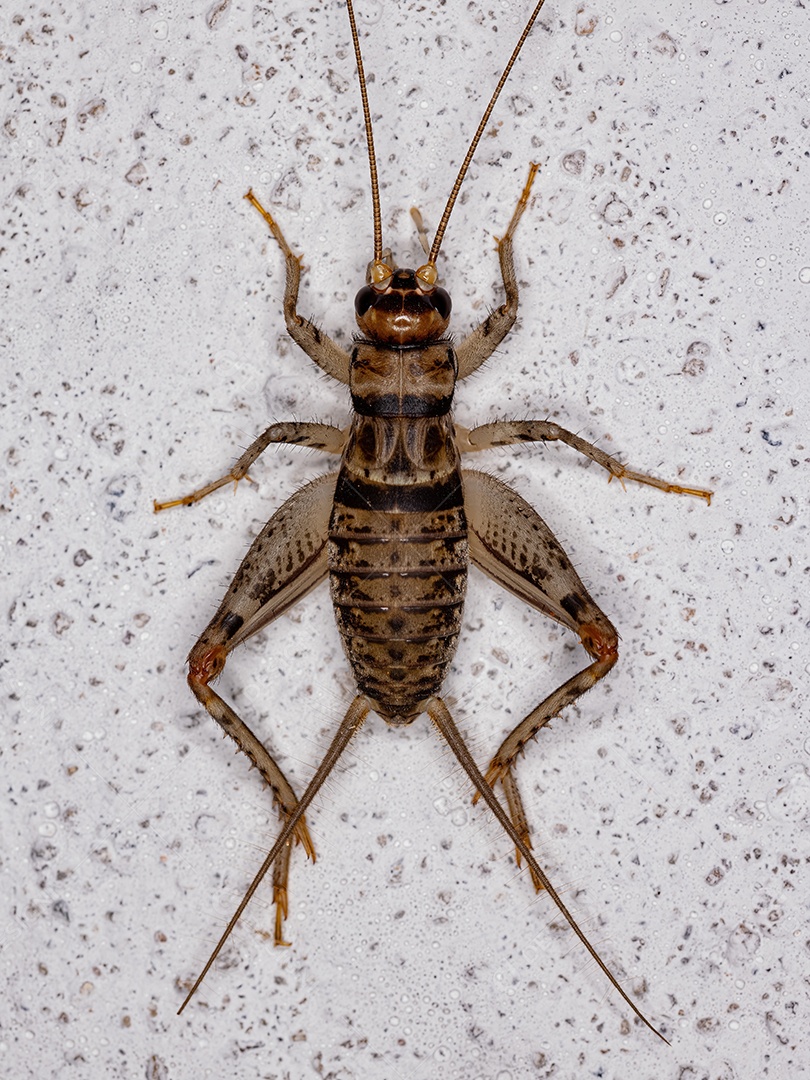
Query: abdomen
x,y
398,558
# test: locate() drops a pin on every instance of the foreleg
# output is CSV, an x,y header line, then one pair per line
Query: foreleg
x,y
482,342
318,346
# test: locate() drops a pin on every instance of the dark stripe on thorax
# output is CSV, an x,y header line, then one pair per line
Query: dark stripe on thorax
x,y
357,494
406,406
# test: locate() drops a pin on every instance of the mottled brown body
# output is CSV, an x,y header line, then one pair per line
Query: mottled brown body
x,y
398,551
395,530
397,557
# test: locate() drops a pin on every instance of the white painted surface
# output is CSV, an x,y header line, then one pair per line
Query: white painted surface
x,y
665,288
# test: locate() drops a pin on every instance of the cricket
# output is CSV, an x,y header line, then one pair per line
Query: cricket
x,y
396,526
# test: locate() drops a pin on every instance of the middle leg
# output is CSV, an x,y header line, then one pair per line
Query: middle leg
x,y
508,432
316,436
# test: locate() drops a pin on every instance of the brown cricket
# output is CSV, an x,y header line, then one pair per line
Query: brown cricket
x,y
397,526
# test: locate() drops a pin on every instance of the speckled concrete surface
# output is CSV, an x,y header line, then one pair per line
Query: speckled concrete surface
x,y
665,279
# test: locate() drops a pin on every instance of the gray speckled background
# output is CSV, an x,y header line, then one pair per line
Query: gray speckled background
x,y
665,279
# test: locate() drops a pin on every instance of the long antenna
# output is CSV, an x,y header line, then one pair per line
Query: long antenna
x,y
372,158
462,172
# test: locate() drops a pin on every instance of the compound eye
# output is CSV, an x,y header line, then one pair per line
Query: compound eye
x,y
364,300
442,302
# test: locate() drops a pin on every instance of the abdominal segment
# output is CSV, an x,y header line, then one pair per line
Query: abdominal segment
x,y
397,556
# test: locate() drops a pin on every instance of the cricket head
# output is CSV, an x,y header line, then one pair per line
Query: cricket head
x,y
402,307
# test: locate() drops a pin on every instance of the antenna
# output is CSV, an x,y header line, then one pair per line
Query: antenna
x,y
372,159
462,172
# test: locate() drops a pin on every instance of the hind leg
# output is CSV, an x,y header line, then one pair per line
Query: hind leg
x,y
285,561
511,543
